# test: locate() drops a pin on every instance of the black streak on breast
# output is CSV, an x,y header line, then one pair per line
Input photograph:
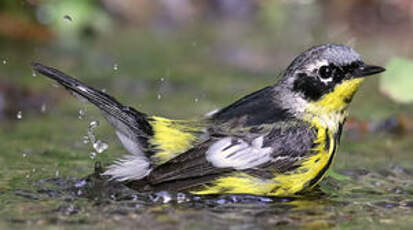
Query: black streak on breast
x,y
327,166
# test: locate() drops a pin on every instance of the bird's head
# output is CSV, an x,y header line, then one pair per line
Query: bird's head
x,y
326,77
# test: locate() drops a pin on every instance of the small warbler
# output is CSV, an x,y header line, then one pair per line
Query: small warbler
x,y
277,141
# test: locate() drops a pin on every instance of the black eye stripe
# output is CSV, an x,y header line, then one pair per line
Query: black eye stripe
x,y
351,67
314,88
311,88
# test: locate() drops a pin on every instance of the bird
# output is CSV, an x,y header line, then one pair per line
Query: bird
x,y
278,141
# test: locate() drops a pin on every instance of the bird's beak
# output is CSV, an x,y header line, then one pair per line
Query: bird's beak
x,y
365,70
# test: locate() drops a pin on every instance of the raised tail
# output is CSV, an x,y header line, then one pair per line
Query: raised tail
x,y
132,127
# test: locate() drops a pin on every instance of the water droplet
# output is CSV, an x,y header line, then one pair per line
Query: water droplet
x,y
159,97
115,67
67,18
85,140
90,134
92,155
93,124
81,114
57,173
100,146
19,115
163,197
196,100
43,108
80,184
4,61
34,74
181,197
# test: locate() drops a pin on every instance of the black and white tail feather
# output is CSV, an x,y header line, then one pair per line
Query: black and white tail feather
x,y
131,126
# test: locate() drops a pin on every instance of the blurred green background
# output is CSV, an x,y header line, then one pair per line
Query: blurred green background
x,y
182,59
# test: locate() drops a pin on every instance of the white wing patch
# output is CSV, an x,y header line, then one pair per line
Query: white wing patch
x,y
241,155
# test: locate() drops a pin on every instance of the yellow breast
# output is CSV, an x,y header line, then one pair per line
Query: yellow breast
x,y
330,110
327,116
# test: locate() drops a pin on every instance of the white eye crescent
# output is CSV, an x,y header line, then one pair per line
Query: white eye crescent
x,y
325,73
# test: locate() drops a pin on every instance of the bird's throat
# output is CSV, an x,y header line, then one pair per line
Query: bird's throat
x,y
339,98
330,110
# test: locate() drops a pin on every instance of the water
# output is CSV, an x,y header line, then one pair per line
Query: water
x,y
92,155
67,18
81,114
90,131
114,202
51,161
100,146
85,139
19,115
43,108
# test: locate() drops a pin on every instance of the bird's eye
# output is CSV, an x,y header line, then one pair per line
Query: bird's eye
x,y
325,72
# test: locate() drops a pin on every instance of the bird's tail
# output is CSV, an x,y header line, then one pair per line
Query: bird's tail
x,y
132,127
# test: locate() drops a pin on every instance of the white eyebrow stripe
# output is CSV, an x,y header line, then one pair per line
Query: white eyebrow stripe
x,y
315,65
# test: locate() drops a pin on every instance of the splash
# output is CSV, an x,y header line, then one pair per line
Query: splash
x,y
98,145
67,18
19,115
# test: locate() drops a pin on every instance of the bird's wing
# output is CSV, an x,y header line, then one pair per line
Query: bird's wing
x,y
217,157
206,162
213,157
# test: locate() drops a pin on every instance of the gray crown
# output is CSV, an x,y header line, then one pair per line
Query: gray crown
x,y
336,54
